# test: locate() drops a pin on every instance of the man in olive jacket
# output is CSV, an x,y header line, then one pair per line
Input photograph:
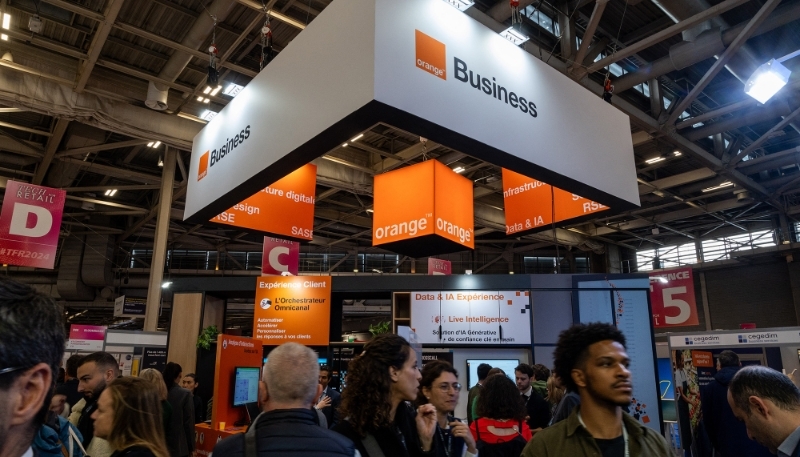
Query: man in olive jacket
x,y
591,360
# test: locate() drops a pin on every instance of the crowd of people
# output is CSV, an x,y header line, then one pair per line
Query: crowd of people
x,y
389,408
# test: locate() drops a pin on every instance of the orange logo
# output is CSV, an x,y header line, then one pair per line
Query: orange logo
x,y
202,169
431,55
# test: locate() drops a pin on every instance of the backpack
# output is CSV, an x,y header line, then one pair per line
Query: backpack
x,y
511,448
58,438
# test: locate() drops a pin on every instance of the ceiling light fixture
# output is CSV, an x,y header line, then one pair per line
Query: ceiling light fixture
x,y
514,36
344,145
160,162
166,284
232,90
459,169
460,5
677,153
356,138
370,210
153,144
111,192
6,21
721,185
769,78
654,160
208,115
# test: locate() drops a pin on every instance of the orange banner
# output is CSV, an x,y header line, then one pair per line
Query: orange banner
x,y
284,208
232,352
702,359
529,203
423,199
293,308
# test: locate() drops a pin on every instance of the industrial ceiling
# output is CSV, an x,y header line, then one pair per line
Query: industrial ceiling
x,y
77,99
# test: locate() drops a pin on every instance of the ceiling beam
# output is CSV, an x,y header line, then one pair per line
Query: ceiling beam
x,y
720,63
666,33
277,15
50,151
755,144
179,47
100,147
109,170
588,35
98,41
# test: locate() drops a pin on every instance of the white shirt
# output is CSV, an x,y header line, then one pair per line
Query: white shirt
x,y
28,453
527,393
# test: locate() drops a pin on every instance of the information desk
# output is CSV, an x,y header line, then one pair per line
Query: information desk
x,y
205,438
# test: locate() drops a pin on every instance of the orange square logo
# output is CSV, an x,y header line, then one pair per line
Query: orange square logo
x,y
202,168
431,55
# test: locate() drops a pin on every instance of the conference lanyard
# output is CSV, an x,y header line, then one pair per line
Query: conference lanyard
x,y
624,434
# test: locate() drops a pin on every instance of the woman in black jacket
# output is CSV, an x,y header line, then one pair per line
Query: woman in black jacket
x,y
180,433
128,416
379,417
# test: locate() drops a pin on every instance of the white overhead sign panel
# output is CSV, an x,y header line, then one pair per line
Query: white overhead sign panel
x,y
424,67
437,63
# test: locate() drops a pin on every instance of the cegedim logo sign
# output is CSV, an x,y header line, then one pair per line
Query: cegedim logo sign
x,y
209,159
432,58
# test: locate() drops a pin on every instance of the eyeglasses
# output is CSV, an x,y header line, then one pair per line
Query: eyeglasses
x,y
444,387
11,369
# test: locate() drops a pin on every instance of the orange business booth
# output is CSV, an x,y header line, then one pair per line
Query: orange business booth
x,y
423,67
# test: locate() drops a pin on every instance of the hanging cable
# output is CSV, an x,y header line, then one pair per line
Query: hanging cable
x,y
516,17
266,40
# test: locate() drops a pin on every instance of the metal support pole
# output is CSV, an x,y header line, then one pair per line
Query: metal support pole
x,y
704,296
160,243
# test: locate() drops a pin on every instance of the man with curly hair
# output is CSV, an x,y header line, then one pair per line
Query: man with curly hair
x,y
591,360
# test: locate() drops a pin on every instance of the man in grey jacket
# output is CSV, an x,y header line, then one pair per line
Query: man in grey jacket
x,y
180,439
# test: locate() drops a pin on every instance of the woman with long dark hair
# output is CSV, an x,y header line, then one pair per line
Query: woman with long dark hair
x,y
379,418
501,417
180,436
440,387
128,416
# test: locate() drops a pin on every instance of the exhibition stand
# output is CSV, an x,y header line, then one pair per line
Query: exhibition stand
x,y
497,317
693,365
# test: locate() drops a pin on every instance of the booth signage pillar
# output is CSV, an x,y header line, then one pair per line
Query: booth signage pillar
x,y
160,243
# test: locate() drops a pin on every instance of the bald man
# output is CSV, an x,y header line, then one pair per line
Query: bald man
x,y
288,424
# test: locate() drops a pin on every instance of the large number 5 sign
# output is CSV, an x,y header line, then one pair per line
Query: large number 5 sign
x,y
672,298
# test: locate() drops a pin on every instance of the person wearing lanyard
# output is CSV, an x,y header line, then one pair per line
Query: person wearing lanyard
x,y
439,386
591,359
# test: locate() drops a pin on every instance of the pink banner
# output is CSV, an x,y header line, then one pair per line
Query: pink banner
x,y
439,267
29,225
280,256
672,298
86,337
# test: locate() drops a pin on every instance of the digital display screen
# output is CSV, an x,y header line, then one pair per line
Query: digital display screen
x,y
507,365
245,386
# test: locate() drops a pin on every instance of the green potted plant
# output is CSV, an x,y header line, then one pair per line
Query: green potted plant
x,y
380,327
207,336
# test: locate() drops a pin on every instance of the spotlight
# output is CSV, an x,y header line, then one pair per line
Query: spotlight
x,y
767,80
514,36
460,5
160,162
166,284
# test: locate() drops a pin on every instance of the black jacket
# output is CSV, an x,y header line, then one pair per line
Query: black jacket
x,y
180,439
199,409
538,410
390,442
332,412
85,423
289,432
727,434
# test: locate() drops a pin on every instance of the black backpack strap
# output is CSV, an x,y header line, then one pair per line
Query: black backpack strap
x,y
250,439
477,429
